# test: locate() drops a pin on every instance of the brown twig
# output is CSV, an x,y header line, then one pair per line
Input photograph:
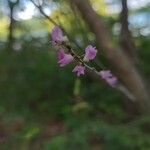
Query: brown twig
x,y
53,22
119,86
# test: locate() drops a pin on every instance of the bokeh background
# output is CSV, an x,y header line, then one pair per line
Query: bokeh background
x,y
45,107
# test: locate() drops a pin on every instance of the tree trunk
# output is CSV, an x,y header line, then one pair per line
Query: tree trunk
x,y
126,37
124,69
11,28
128,46
12,6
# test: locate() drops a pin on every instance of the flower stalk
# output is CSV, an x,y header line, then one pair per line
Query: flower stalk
x,y
66,55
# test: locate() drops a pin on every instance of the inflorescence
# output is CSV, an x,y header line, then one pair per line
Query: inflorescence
x,y
66,55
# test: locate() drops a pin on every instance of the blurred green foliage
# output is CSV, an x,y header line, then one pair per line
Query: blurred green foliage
x,y
45,107
34,91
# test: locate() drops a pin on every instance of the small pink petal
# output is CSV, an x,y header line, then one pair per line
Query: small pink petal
x,y
90,53
105,74
57,35
108,77
63,58
79,70
61,54
112,81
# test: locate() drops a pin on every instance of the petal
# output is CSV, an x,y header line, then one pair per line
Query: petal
x,y
90,52
112,81
61,54
65,60
79,70
57,34
108,77
105,74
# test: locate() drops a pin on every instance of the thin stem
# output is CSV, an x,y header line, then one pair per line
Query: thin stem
x,y
53,22
43,13
99,64
119,86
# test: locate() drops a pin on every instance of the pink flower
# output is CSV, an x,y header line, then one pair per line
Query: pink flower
x,y
112,81
63,58
57,35
79,70
90,53
105,74
108,77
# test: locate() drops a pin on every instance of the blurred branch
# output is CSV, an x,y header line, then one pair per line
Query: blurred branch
x,y
12,6
43,13
121,63
126,38
53,22
60,25
119,86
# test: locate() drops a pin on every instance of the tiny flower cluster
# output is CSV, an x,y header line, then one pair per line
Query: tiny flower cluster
x,y
65,58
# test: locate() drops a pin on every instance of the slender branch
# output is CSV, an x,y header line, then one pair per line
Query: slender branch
x,y
119,86
43,13
53,22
